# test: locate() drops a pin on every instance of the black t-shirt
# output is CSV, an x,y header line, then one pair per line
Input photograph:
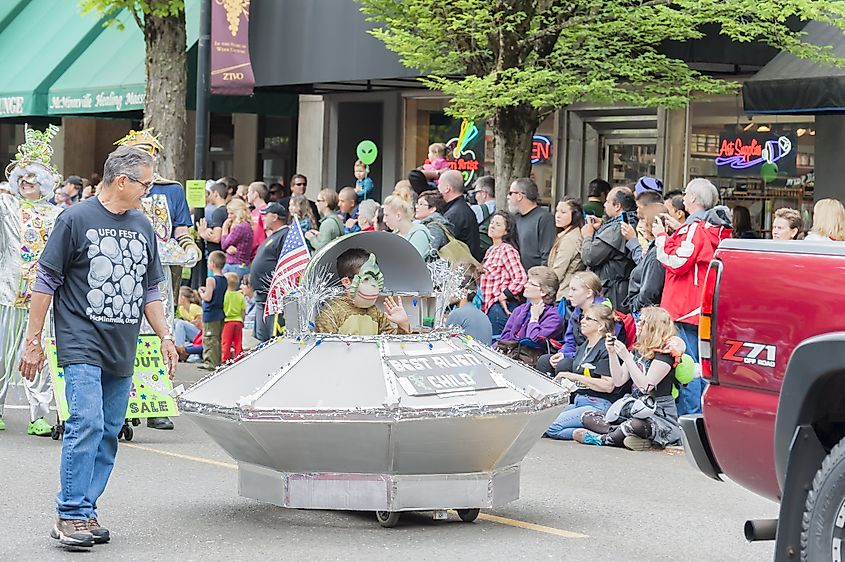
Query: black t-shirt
x,y
598,357
264,264
664,387
459,213
218,217
108,262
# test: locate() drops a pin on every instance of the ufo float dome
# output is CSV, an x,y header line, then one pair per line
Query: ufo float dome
x,y
424,421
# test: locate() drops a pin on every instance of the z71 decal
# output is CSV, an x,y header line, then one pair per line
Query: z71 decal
x,y
750,353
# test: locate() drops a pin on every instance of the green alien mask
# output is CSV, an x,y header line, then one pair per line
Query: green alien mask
x,y
367,284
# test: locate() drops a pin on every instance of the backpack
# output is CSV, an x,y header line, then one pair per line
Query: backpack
x,y
486,241
454,251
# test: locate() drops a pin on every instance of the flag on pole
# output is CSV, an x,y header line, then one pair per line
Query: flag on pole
x,y
292,262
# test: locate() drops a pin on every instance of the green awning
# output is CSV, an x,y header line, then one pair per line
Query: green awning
x,y
109,76
39,39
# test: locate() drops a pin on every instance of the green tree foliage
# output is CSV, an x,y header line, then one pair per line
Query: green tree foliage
x,y
515,61
163,25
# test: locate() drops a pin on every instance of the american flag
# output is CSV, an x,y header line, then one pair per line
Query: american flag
x,y
293,260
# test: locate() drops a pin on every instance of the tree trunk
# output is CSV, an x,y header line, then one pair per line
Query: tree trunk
x,y
513,129
164,106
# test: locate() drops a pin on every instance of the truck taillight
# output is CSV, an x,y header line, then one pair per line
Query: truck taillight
x,y
706,325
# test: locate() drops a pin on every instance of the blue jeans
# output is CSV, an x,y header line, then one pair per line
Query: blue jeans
x,y
240,269
498,317
96,403
689,333
570,418
184,332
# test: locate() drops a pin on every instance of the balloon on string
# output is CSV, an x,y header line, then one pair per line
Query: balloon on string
x,y
367,152
768,171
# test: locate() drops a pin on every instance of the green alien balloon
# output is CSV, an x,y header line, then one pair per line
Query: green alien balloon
x,y
367,152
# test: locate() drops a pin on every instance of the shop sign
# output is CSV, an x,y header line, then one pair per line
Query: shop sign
x,y
744,154
462,158
11,105
97,102
541,147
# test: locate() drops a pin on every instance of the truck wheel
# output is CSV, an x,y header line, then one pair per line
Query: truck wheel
x,y
823,523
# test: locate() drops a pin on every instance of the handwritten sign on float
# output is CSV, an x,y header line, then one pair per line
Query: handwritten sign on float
x,y
440,373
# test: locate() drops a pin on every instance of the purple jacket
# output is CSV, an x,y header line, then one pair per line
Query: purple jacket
x,y
518,326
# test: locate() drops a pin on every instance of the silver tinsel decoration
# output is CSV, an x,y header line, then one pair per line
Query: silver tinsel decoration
x,y
315,288
448,281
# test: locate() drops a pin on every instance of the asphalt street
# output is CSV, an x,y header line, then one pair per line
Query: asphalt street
x,y
173,496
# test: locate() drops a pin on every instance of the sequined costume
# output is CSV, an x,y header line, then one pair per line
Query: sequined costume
x,y
171,252
24,227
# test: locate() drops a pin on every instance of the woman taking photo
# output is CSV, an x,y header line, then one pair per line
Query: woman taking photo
x,y
398,216
645,287
828,221
787,224
653,416
502,277
565,256
331,226
236,237
590,370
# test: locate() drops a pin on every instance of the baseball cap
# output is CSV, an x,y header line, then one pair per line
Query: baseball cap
x,y
276,208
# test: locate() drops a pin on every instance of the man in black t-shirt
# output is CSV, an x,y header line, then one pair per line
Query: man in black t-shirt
x,y
211,229
458,211
100,270
266,257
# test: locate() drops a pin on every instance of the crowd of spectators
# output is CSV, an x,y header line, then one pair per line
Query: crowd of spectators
x,y
602,293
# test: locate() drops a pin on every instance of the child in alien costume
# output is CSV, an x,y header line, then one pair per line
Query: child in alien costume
x,y
26,220
355,312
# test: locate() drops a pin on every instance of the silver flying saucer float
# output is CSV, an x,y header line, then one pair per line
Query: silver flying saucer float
x,y
427,421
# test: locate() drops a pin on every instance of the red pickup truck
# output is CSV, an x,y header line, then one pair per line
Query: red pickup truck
x,y
772,344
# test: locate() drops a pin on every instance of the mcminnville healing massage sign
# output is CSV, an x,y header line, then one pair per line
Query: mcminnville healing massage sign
x,y
151,387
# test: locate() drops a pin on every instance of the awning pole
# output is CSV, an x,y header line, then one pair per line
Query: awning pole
x,y
203,81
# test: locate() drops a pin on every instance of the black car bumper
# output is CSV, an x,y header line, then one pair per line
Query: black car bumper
x,y
697,446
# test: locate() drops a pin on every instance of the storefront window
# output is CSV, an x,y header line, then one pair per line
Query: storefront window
x,y
276,153
472,154
220,146
763,163
629,162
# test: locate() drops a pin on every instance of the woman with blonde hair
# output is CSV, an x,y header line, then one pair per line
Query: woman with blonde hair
x,y
404,190
648,415
828,221
787,224
399,217
236,237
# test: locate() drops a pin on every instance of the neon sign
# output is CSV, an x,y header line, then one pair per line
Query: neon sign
x,y
463,159
540,149
740,155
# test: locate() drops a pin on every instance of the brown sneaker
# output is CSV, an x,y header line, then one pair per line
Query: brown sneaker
x,y
72,532
101,534
182,353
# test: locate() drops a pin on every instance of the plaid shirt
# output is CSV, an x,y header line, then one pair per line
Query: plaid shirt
x,y
502,270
